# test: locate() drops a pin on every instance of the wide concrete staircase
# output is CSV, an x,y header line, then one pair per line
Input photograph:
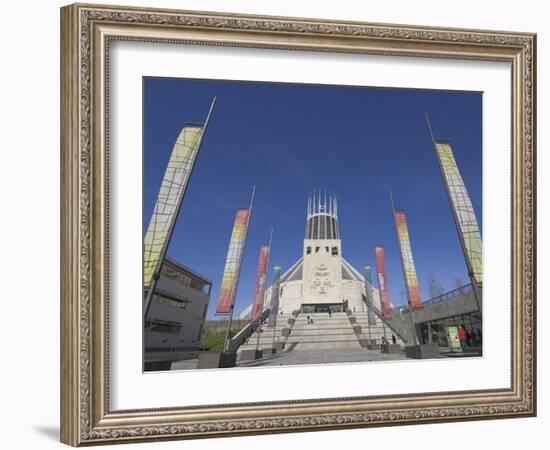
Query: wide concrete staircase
x,y
326,332
374,330
269,334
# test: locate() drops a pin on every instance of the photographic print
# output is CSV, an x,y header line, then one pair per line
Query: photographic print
x,y
293,224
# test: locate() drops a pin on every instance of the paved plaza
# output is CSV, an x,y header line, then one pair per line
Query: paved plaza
x,y
324,356
327,356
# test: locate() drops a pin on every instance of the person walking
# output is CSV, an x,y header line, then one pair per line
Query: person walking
x,y
393,339
462,336
473,338
383,344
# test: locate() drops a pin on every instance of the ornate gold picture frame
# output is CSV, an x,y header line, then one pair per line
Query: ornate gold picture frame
x,y
87,31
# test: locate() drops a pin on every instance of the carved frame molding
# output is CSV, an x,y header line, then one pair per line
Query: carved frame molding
x,y
86,32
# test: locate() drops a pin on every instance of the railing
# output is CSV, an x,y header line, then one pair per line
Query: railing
x,y
391,323
443,298
236,341
448,296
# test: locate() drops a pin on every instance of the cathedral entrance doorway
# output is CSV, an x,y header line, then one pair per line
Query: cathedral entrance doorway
x,y
322,308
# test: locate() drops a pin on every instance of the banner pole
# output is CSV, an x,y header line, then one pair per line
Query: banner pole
x,y
368,291
275,304
262,293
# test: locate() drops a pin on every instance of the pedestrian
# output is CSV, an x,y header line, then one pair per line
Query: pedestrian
x,y
329,313
383,344
468,337
479,336
308,320
393,339
473,338
424,335
462,336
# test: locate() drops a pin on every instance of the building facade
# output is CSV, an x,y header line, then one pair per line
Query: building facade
x,y
173,327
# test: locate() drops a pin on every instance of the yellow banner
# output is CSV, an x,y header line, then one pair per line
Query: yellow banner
x,y
463,211
169,198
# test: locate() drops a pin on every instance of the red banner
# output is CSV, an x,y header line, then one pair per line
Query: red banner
x,y
257,302
382,281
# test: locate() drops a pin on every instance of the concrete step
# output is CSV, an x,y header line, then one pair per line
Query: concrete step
x,y
270,331
326,345
322,324
325,323
335,336
326,332
263,338
365,326
333,332
322,317
330,338
253,347
320,332
312,328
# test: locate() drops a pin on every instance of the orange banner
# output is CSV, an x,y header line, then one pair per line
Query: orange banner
x,y
411,280
233,262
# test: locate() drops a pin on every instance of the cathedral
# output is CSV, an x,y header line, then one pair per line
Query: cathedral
x,y
321,280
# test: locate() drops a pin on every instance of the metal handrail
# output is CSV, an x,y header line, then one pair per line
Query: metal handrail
x,y
236,341
391,326
446,297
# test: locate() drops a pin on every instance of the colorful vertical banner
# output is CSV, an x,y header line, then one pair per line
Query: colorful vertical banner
x,y
411,280
169,199
382,281
233,262
258,300
463,210
275,288
368,290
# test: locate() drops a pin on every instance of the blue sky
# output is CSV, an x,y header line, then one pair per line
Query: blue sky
x,y
289,139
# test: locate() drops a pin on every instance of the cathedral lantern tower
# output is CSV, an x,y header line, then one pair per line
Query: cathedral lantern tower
x,y
322,217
